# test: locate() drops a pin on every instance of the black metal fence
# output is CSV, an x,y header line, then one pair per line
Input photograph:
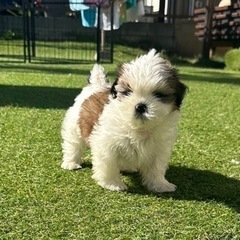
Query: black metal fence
x,y
51,32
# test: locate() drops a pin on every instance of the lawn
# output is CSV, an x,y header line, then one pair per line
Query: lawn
x,y
39,200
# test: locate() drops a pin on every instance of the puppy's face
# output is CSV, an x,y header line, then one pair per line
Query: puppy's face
x,y
148,89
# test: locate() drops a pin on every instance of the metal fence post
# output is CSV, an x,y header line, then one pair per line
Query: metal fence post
x,y
98,33
208,34
112,2
32,28
24,31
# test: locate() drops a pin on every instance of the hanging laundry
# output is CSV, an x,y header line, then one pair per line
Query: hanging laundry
x,y
123,11
87,11
89,17
135,12
130,3
105,17
77,5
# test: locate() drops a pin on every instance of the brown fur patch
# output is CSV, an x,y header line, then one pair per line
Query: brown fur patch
x,y
90,112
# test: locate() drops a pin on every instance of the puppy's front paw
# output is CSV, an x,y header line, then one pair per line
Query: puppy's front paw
x,y
70,165
167,187
113,185
163,186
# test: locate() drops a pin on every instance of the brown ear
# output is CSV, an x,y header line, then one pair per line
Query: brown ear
x,y
180,88
180,94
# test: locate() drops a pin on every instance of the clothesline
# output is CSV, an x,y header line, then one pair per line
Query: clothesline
x,y
123,11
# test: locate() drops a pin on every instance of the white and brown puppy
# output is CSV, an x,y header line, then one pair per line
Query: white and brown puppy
x,y
129,126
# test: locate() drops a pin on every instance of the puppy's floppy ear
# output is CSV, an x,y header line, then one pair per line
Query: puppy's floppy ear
x,y
113,90
180,93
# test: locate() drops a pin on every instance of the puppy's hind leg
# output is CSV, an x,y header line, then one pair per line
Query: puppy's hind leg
x,y
72,153
73,145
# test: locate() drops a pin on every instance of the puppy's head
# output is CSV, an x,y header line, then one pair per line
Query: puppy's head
x,y
148,88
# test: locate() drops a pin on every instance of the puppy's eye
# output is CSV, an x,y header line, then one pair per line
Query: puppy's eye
x,y
160,95
126,92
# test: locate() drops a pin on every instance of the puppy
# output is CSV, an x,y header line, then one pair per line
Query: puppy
x,y
129,125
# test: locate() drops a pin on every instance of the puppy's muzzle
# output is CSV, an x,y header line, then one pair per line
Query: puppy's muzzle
x,y
140,110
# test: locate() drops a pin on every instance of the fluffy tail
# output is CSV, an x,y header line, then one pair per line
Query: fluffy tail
x,y
98,76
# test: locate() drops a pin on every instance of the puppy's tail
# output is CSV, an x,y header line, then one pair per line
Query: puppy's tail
x,y
98,76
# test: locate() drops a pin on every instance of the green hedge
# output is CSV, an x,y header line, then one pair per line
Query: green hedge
x,y
232,59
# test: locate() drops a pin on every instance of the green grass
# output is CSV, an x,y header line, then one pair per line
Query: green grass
x,y
39,200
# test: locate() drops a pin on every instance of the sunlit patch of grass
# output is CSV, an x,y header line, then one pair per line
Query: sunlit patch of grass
x,y
39,200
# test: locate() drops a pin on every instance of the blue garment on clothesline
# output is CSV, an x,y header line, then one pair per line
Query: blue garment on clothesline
x,y
77,5
88,17
123,11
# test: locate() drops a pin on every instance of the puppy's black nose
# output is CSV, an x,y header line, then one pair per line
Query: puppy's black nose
x,y
141,108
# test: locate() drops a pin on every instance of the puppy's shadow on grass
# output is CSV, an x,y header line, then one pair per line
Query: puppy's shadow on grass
x,y
192,185
86,165
197,185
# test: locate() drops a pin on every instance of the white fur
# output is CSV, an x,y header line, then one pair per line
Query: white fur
x,y
120,141
73,146
116,145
